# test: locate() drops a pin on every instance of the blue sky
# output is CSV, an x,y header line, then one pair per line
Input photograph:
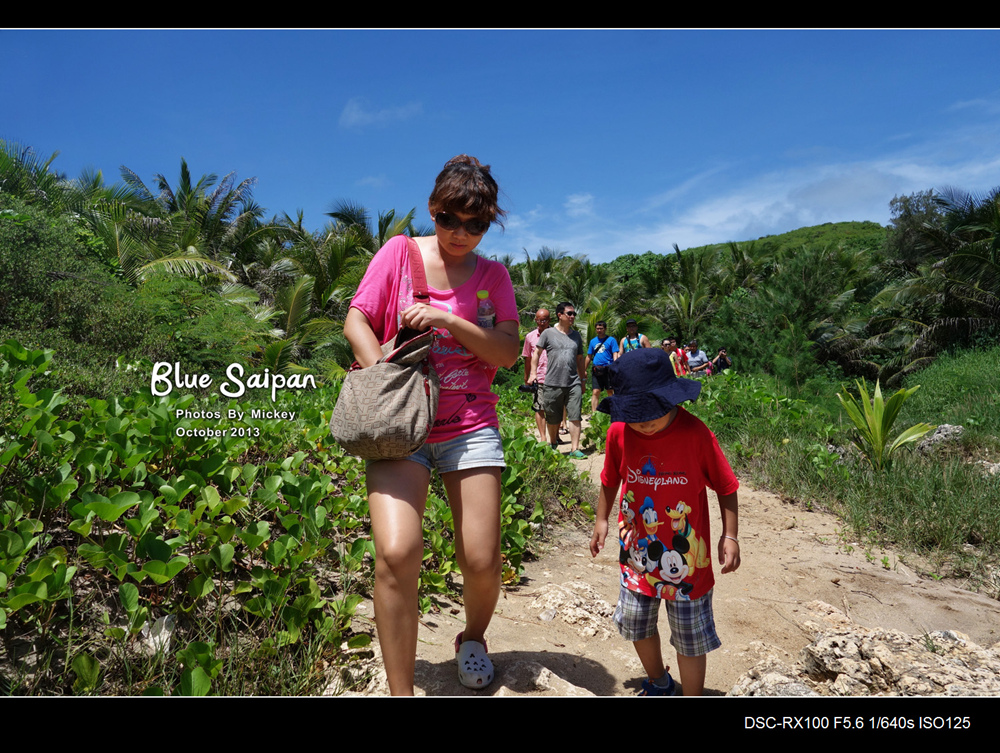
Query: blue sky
x,y
604,142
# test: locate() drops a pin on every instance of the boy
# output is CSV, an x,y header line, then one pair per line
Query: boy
x,y
666,458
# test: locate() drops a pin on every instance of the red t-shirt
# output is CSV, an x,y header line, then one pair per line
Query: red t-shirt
x,y
664,505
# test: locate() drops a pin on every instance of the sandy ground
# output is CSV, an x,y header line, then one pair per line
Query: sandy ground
x,y
559,614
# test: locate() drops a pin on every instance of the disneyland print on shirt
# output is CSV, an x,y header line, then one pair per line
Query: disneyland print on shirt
x,y
663,523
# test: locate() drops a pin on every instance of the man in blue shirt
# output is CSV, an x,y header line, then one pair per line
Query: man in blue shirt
x,y
603,351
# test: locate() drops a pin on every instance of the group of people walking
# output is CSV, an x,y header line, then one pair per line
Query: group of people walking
x,y
560,381
692,361
559,390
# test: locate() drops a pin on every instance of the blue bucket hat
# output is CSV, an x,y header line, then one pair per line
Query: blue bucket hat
x,y
646,387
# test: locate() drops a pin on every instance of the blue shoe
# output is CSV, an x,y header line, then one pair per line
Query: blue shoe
x,y
648,688
576,455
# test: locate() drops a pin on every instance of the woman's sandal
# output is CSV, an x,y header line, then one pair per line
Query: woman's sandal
x,y
475,670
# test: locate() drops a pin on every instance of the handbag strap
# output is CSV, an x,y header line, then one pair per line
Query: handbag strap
x,y
417,271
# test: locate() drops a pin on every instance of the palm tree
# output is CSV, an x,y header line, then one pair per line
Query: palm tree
x,y
685,309
533,280
187,230
26,175
351,217
136,245
335,258
212,223
739,267
950,294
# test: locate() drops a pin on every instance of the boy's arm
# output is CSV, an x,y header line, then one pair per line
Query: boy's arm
x,y
729,545
604,503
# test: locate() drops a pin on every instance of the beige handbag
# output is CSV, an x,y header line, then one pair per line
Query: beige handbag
x,y
387,411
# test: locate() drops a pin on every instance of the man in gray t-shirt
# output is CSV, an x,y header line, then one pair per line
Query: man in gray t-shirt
x,y
564,374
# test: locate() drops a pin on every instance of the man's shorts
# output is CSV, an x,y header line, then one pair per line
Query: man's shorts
x,y
480,449
692,623
600,377
554,399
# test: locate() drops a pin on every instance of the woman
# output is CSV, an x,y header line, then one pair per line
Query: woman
x,y
477,334
678,358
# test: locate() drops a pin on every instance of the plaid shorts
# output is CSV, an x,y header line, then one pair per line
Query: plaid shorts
x,y
692,624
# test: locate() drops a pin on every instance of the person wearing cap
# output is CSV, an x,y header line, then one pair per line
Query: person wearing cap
x,y
633,340
663,459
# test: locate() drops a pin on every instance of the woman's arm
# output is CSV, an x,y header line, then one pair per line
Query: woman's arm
x,y
359,333
498,346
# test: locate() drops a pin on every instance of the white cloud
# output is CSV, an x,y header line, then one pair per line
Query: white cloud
x,y
688,186
987,105
374,181
357,113
579,204
728,203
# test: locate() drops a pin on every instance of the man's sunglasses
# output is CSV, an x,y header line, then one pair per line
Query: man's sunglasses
x,y
451,222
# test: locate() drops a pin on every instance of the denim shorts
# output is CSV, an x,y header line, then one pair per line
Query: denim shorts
x,y
479,449
692,623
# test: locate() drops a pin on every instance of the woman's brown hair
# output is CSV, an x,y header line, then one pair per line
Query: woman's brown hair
x,y
465,185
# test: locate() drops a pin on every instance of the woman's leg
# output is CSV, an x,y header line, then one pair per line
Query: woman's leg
x,y
397,495
474,497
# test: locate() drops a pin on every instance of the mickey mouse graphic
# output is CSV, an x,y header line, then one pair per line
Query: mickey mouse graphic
x,y
668,568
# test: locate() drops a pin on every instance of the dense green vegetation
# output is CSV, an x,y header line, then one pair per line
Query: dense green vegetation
x,y
250,534
255,545
940,506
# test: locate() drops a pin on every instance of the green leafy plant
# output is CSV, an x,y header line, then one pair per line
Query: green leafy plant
x,y
596,433
874,418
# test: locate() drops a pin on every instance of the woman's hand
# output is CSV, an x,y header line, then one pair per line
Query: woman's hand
x,y
421,316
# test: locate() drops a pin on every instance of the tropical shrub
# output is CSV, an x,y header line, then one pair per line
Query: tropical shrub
x,y
246,540
873,418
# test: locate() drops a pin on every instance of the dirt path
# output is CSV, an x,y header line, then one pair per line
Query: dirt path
x,y
559,616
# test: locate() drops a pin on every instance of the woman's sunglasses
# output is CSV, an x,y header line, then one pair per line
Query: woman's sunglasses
x,y
451,222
